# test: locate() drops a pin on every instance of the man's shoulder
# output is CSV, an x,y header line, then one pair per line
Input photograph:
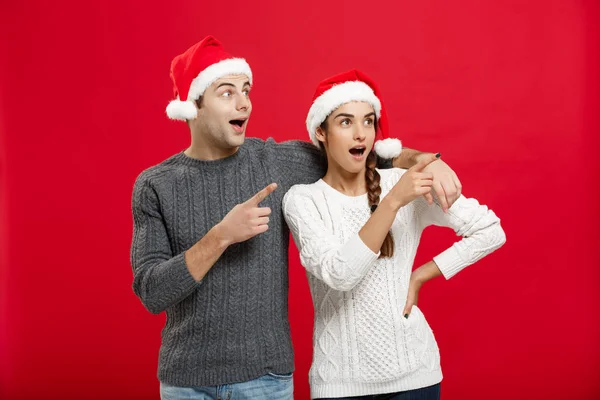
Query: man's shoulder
x,y
256,147
300,146
164,171
254,143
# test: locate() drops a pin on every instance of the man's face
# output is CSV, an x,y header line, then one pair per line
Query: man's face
x,y
224,111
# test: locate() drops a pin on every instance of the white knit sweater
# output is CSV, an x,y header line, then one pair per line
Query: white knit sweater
x,y
362,343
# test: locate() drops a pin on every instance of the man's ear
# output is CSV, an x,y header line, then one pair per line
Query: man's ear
x,y
198,102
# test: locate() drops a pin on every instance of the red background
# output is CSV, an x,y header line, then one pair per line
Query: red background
x,y
508,91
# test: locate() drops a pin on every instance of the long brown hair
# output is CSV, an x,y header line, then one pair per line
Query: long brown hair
x,y
373,191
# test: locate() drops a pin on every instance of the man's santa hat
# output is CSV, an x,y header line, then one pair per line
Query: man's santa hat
x,y
344,88
195,70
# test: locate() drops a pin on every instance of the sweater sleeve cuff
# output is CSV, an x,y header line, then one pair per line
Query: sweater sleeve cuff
x,y
181,276
449,262
359,255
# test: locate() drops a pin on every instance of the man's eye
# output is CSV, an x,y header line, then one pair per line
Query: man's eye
x,y
226,94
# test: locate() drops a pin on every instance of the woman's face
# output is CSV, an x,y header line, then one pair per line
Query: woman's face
x,y
350,135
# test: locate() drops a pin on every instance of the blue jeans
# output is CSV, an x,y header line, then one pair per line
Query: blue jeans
x,y
426,393
270,386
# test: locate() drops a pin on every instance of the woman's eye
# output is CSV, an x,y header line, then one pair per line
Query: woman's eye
x,y
226,94
368,122
345,122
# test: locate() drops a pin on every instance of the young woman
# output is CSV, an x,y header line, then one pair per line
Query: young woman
x,y
357,230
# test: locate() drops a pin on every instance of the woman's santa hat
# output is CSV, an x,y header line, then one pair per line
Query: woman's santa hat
x,y
344,88
195,70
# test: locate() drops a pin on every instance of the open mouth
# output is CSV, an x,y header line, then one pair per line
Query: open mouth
x,y
238,124
358,151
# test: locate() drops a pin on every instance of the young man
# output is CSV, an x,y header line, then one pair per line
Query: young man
x,y
210,245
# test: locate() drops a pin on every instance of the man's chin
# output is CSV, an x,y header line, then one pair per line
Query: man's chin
x,y
236,140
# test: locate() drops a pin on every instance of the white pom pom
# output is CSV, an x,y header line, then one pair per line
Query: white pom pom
x,y
388,148
181,110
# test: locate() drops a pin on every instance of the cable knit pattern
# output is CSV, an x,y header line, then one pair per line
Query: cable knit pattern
x,y
362,344
233,325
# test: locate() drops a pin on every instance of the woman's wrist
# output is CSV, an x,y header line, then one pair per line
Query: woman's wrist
x,y
425,273
391,203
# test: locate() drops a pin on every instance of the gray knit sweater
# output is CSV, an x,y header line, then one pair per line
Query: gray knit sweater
x,y
233,325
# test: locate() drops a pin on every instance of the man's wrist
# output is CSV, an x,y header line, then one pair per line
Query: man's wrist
x,y
408,158
223,241
419,155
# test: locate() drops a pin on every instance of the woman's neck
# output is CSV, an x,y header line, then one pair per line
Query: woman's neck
x,y
348,183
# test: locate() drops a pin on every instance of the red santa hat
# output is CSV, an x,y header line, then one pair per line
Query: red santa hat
x,y
195,70
344,88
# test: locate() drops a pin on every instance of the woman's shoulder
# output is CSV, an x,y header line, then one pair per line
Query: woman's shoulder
x,y
389,177
302,191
